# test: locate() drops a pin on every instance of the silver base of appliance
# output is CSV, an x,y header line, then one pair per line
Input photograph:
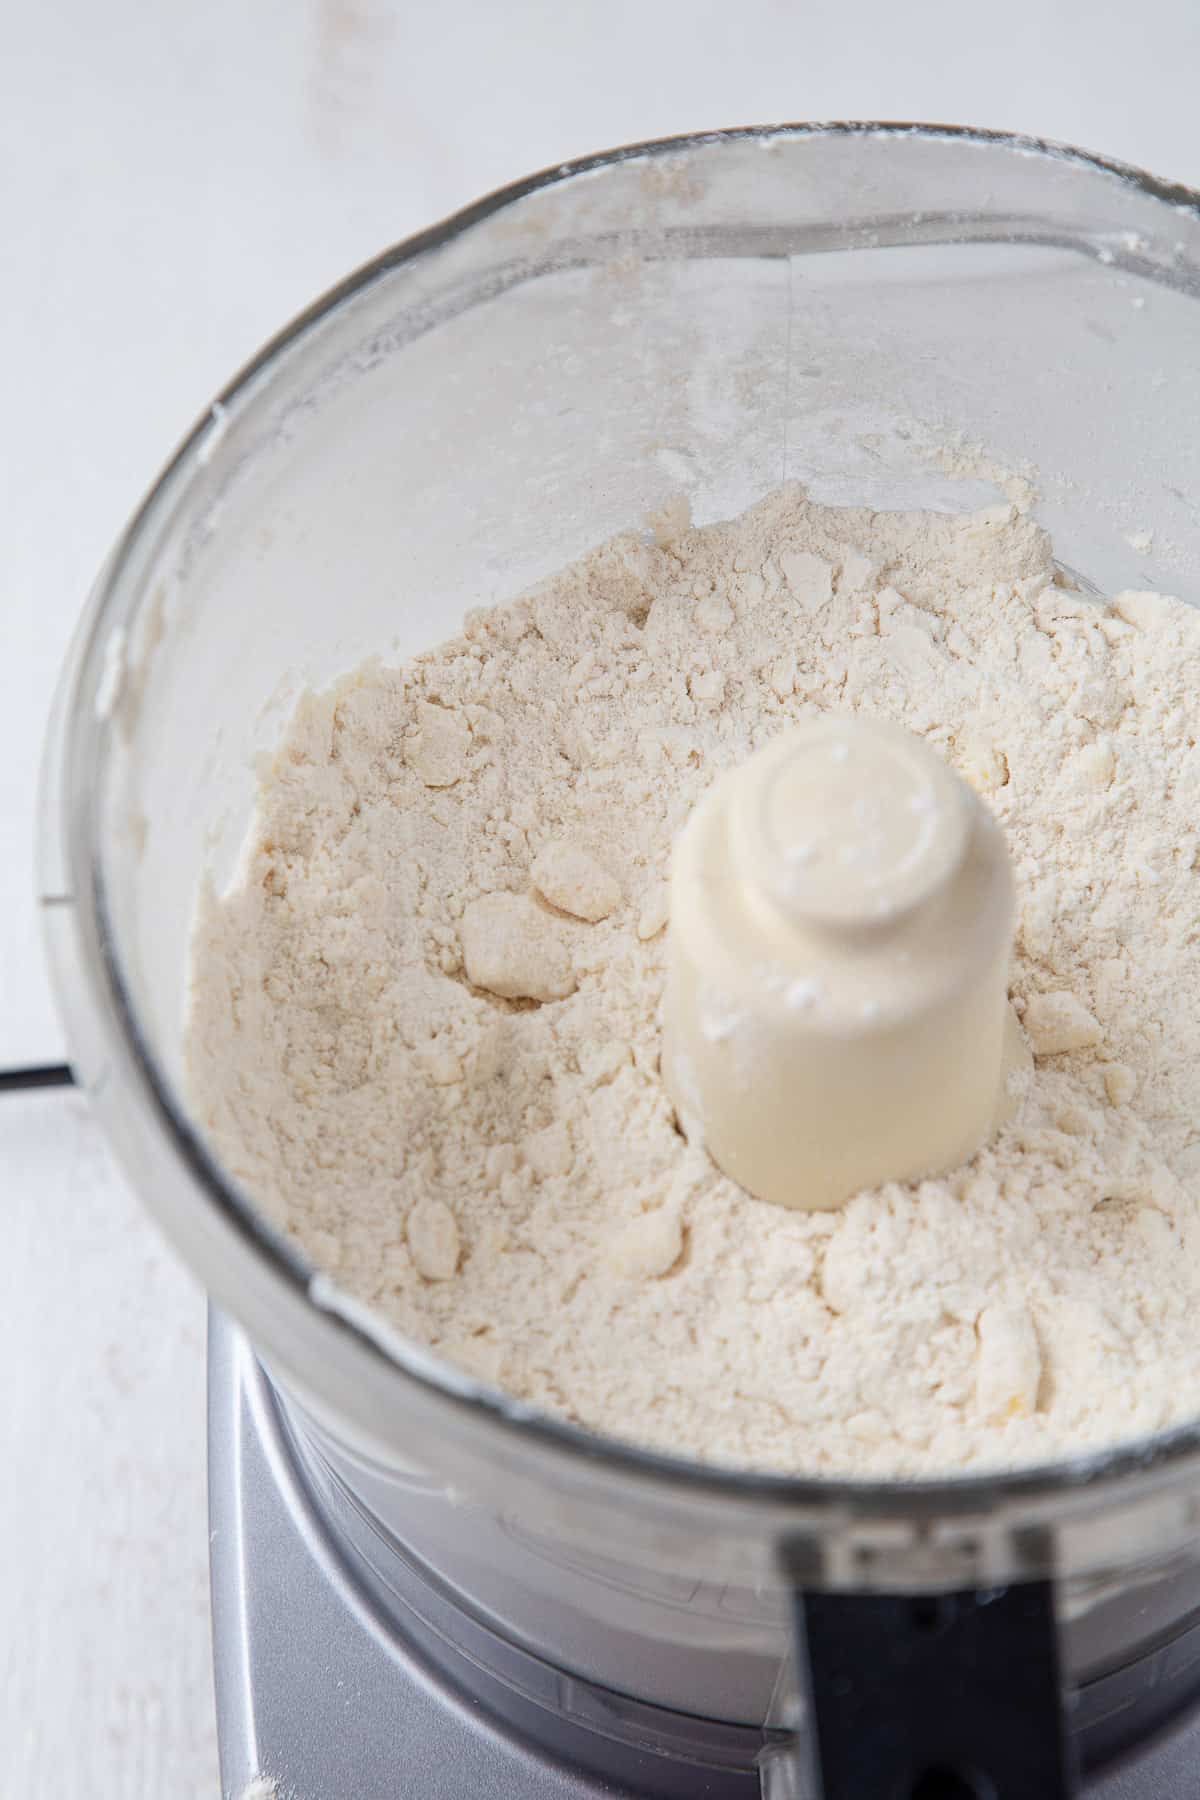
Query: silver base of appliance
x,y
323,1688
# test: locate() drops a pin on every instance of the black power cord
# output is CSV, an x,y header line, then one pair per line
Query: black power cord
x,y
44,1075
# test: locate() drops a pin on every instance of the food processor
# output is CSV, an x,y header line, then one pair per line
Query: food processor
x,y
421,1586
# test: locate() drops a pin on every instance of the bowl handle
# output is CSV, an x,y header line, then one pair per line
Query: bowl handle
x,y
939,1696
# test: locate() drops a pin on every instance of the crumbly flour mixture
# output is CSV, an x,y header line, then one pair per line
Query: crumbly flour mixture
x,y
424,1026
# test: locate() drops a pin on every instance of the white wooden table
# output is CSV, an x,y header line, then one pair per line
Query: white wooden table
x,y
174,182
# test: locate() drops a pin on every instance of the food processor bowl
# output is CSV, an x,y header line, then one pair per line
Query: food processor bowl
x,y
895,316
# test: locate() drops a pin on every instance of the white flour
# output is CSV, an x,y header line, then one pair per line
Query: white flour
x,y
447,1089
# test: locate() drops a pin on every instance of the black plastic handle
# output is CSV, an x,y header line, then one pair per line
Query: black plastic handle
x,y
936,1697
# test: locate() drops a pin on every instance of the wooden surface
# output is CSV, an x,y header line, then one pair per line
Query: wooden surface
x,y
105,1686
175,181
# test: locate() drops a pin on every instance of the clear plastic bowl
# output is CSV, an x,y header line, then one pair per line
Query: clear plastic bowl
x,y
480,406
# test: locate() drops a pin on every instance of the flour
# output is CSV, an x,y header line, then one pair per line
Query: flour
x,y
425,1022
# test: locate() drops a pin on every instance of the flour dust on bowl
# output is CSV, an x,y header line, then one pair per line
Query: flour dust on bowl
x,y
994,338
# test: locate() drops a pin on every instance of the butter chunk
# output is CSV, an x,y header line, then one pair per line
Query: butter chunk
x,y
433,1240
438,753
575,882
1059,1022
656,910
809,577
1120,1084
514,950
1010,1362
649,1246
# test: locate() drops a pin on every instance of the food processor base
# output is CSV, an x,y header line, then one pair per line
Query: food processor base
x,y
318,1690
312,1688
